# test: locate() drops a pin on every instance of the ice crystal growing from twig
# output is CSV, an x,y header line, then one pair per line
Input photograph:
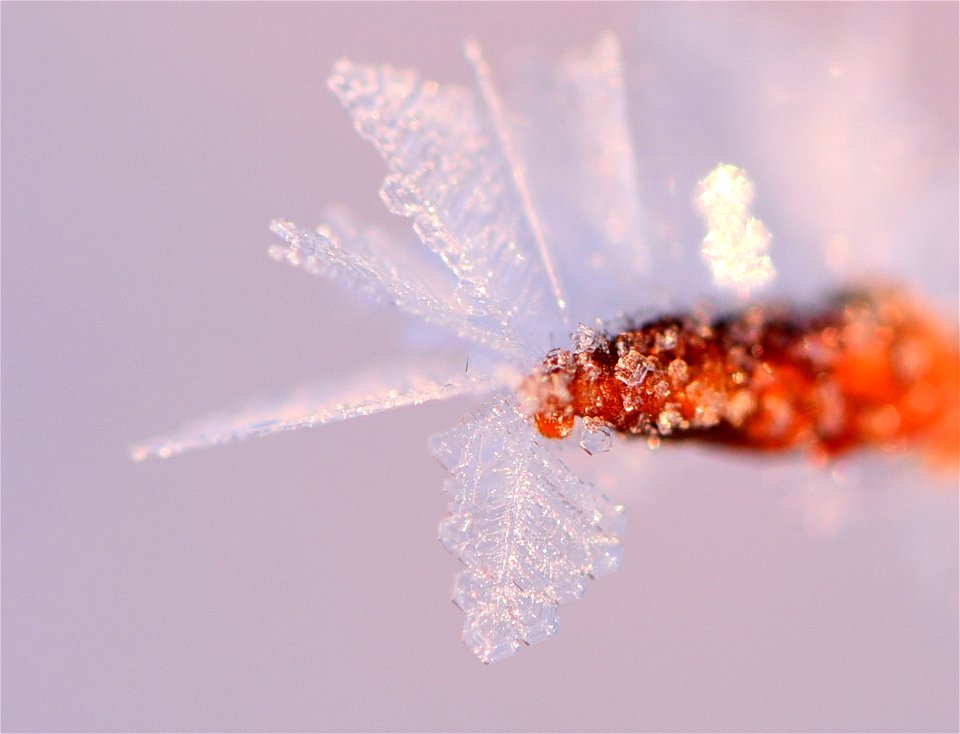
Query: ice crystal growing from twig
x,y
526,209
509,249
527,529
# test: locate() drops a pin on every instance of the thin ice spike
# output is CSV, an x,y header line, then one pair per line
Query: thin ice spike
x,y
393,386
497,112
572,130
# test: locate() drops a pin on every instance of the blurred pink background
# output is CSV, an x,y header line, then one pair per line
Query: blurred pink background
x,y
295,583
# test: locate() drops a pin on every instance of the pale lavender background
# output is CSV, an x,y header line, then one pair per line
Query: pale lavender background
x,y
296,583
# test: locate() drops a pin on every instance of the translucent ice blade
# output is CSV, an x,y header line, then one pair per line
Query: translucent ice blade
x,y
370,262
393,386
497,113
451,176
528,530
571,124
736,244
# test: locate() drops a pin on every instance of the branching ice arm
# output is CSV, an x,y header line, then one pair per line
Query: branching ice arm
x,y
371,263
527,529
450,175
393,386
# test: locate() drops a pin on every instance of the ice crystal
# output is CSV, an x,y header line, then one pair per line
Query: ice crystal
x,y
596,438
394,384
571,120
632,368
450,174
371,262
528,530
521,207
586,339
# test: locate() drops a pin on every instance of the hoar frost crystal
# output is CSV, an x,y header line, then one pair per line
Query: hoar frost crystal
x,y
528,216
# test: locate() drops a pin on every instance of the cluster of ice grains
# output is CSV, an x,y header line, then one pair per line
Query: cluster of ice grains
x,y
869,369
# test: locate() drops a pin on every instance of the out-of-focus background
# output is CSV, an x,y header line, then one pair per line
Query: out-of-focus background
x,y
295,583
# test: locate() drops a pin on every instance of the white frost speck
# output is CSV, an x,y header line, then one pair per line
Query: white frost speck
x,y
736,244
